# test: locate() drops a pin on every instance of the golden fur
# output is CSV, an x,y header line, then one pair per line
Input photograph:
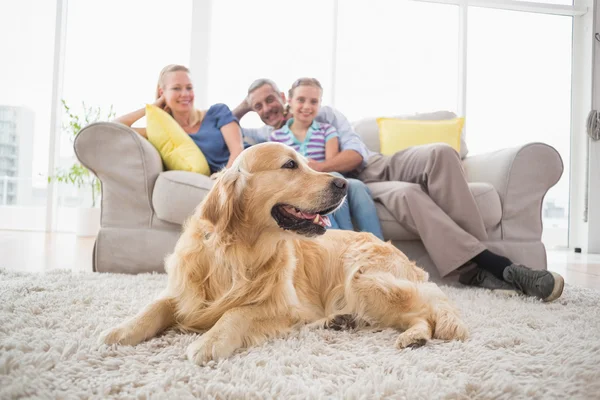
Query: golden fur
x,y
236,274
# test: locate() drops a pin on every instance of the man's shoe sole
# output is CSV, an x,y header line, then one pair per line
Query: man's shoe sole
x,y
506,292
559,285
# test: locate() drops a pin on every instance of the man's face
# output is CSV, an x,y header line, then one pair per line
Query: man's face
x,y
268,104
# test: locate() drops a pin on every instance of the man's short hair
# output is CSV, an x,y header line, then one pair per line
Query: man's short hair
x,y
260,83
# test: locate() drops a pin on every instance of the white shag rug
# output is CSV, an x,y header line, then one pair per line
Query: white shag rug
x,y
519,348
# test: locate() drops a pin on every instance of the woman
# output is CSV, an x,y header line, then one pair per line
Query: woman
x,y
216,131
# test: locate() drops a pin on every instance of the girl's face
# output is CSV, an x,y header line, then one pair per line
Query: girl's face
x,y
178,91
305,103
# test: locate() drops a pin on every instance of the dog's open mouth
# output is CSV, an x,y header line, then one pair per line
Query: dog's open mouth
x,y
316,218
308,223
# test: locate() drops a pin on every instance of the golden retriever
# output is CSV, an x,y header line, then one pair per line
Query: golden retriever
x,y
255,261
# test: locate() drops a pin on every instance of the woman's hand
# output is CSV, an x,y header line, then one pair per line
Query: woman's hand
x,y
233,139
161,103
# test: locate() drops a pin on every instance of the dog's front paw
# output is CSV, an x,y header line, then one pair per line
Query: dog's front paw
x,y
341,322
118,335
410,341
209,347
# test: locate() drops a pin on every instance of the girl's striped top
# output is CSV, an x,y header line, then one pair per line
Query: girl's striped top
x,y
313,145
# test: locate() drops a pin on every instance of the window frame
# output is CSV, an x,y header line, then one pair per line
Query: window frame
x,y
582,62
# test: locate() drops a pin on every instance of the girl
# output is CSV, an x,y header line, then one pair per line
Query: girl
x,y
319,142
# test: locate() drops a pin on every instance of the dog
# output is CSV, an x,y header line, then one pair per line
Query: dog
x,y
255,261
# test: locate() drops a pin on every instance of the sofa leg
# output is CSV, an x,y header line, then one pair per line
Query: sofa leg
x,y
94,255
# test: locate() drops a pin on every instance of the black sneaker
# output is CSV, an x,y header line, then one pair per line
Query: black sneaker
x,y
481,278
542,284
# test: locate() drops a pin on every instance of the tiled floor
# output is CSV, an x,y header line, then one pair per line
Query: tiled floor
x,y
577,269
37,251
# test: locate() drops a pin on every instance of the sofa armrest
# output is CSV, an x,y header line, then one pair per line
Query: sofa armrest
x,y
127,165
522,176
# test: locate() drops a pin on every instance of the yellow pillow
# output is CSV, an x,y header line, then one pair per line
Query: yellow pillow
x,y
176,147
399,134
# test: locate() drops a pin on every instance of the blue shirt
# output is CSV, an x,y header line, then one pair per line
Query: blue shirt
x,y
349,139
209,138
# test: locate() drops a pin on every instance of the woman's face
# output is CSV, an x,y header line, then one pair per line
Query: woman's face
x,y
305,103
178,91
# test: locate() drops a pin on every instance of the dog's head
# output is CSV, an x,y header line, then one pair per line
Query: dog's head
x,y
271,188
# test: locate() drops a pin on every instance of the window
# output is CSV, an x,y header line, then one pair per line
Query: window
x,y
519,91
560,2
114,53
403,58
271,39
115,50
25,107
390,57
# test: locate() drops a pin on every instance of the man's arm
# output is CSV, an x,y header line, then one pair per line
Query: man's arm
x,y
257,135
353,154
242,109
344,161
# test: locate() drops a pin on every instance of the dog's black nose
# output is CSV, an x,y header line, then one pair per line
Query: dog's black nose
x,y
340,183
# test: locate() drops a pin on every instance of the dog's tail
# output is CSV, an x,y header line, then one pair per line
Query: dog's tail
x,y
448,325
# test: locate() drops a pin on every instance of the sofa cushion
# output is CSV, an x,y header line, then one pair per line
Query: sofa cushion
x,y
397,134
485,195
368,130
177,149
177,193
488,201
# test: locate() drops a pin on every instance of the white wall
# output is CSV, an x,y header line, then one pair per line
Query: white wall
x,y
594,164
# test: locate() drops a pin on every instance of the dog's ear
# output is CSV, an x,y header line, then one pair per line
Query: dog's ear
x,y
222,204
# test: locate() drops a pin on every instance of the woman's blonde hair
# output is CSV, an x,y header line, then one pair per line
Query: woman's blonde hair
x,y
161,83
166,70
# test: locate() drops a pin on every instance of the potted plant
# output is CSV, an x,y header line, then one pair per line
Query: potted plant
x,y
88,218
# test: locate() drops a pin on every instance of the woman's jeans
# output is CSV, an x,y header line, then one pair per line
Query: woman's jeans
x,y
359,205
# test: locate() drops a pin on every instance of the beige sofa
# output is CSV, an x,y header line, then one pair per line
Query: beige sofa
x,y
143,206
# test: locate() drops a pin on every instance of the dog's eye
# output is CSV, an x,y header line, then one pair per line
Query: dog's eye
x,y
291,164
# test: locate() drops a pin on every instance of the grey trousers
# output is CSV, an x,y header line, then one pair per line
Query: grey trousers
x,y
425,189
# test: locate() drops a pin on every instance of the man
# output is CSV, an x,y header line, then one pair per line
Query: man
x,y
424,187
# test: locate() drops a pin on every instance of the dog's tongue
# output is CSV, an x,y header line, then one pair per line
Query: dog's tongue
x,y
318,219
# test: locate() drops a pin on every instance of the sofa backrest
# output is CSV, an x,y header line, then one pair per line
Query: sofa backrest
x,y
369,131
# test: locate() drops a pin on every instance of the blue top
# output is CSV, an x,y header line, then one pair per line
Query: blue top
x,y
210,139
